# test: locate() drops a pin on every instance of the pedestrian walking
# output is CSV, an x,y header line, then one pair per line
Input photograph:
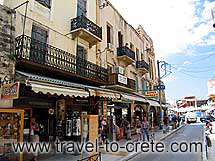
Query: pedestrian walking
x,y
35,136
165,122
128,132
145,129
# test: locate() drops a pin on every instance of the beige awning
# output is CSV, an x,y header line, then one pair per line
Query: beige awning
x,y
153,103
134,98
108,94
53,89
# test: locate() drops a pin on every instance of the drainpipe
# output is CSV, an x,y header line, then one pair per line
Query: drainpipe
x,y
98,56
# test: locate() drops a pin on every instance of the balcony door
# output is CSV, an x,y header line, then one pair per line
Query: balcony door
x,y
38,48
120,39
82,8
81,61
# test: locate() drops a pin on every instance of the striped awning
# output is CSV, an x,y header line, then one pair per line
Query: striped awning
x,y
47,88
134,98
53,86
153,103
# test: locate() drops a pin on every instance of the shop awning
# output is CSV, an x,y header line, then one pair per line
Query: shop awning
x,y
61,87
153,103
134,98
52,89
107,93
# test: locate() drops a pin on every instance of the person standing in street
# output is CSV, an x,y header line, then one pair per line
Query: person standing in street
x,y
145,129
35,136
165,122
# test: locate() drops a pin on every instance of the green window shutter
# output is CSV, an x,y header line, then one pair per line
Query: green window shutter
x,y
143,86
136,84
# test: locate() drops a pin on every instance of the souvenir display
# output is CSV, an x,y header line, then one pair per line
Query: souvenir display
x,y
10,132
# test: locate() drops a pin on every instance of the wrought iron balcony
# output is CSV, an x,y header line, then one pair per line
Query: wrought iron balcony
x,y
117,81
125,54
142,66
43,56
82,27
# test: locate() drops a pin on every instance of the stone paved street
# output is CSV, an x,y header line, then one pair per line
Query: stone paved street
x,y
106,156
187,134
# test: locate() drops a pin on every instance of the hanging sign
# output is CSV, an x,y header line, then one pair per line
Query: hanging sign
x,y
10,91
151,94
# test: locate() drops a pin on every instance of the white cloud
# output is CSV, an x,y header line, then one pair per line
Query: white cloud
x,y
172,24
187,63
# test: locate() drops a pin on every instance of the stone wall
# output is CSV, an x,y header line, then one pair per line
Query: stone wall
x,y
7,44
7,36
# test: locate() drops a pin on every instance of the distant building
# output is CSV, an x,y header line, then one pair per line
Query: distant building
x,y
190,101
211,89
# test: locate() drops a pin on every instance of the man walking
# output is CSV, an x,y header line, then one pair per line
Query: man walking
x,y
145,129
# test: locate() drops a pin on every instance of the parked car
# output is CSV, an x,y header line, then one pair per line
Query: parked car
x,y
207,119
191,117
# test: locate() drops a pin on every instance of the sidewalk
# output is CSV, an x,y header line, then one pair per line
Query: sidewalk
x,y
121,155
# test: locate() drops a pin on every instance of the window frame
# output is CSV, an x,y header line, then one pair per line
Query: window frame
x,y
43,2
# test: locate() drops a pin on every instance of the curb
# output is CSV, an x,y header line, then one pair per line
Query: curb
x,y
161,139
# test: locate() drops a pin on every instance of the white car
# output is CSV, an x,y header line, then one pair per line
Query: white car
x,y
191,117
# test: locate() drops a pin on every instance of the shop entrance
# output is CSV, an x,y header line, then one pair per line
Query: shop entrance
x,y
153,117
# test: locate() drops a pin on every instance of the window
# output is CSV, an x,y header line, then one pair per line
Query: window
x,y
38,49
82,8
137,85
46,3
142,56
81,52
109,34
131,46
120,39
144,86
39,34
137,54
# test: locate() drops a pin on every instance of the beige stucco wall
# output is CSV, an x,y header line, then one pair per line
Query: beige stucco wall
x,y
56,21
110,16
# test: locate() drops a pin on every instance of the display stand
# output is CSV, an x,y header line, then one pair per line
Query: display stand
x,y
11,131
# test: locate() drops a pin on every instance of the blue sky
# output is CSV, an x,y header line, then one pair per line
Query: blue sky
x,y
183,36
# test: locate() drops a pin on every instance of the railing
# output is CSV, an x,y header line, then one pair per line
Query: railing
x,y
95,157
44,54
113,80
85,23
121,51
142,64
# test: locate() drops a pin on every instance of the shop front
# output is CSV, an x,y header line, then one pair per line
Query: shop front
x,y
154,113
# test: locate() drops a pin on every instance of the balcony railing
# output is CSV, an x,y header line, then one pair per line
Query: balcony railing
x,y
40,53
125,51
142,65
85,23
114,80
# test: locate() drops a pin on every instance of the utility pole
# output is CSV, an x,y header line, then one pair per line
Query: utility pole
x,y
159,84
164,66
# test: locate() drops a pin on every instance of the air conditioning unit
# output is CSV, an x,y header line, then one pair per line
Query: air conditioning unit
x,y
119,70
110,47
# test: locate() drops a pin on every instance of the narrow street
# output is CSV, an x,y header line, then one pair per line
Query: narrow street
x,y
188,134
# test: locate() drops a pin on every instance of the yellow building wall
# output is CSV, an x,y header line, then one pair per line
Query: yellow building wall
x,y
57,21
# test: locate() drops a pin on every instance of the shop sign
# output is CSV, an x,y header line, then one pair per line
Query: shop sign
x,y
10,91
93,127
151,94
122,79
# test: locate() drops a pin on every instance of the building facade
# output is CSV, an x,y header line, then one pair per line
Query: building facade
x,y
79,59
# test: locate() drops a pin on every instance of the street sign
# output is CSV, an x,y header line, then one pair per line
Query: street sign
x,y
161,87
151,94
